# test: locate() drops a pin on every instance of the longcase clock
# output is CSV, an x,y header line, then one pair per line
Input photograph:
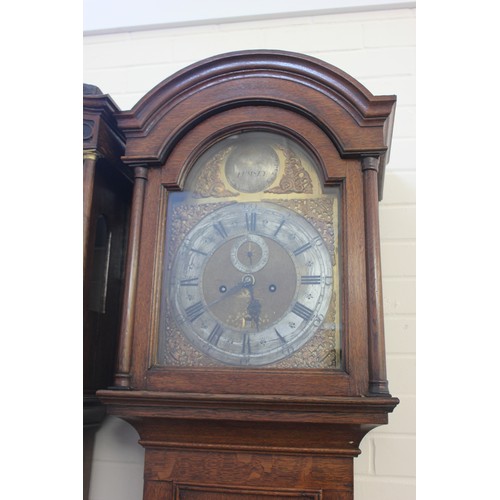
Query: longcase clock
x,y
107,193
251,355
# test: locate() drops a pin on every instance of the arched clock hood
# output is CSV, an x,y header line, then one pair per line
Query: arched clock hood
x,y
359,123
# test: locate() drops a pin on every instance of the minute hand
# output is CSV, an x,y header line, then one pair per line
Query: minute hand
x,y
231,291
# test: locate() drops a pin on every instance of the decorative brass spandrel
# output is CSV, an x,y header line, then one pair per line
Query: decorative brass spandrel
x,y
295,178
209,182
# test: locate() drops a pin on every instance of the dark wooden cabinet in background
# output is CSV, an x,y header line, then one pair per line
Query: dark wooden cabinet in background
x,y
251,355
107,185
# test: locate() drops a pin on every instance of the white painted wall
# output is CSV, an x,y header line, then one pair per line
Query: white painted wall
x,y
378,49
119,15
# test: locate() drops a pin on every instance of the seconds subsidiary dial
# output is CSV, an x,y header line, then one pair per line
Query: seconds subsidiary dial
x,y
251,283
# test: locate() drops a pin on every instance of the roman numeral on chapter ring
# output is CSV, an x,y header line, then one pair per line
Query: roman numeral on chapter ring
x,y
195,311
215,334
282,339
302,249
189,282
245,348
302,311
279,228
310,280
219,227
195,250
251,220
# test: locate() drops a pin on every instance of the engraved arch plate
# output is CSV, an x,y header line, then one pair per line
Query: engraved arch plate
x,y
254,162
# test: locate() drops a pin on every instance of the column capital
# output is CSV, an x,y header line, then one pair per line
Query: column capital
x,y
92,154
370,163
140,170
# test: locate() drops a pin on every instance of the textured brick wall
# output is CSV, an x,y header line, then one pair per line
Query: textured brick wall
x,y
378,49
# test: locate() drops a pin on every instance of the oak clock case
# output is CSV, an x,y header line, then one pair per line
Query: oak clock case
x,y
251,268
251,356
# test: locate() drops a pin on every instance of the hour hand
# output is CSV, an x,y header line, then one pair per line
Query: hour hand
x,y
253,309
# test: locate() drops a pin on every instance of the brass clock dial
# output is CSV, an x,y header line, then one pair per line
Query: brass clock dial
x,y
250,270
251,283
